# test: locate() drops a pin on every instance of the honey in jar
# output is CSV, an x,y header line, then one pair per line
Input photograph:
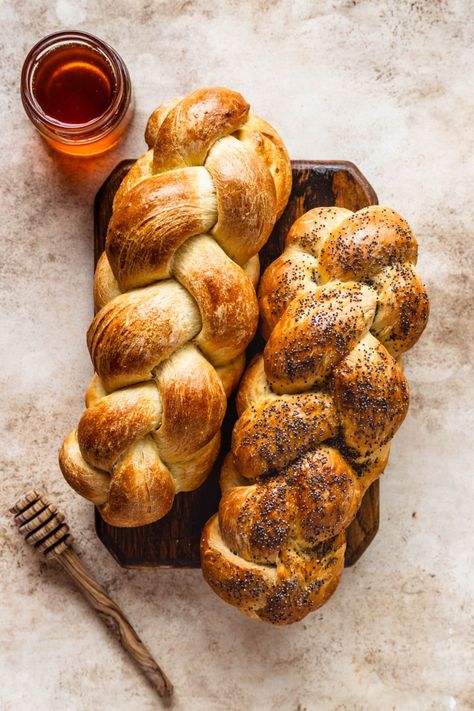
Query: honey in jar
x,y
76,90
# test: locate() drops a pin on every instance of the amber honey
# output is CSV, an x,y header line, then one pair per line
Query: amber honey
x,y
76,90
74,85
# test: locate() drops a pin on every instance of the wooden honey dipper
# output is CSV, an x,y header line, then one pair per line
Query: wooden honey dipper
x,y
44,528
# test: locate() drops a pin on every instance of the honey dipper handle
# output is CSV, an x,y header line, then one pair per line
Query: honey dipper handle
x,y
116,621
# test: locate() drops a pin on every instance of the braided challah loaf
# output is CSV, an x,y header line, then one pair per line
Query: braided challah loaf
x,y
316,411
175,304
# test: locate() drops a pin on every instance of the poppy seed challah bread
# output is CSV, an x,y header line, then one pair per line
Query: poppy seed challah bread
x,y
175,304
316,411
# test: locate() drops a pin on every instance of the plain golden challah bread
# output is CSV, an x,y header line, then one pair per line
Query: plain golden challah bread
x,y
317,410
175,304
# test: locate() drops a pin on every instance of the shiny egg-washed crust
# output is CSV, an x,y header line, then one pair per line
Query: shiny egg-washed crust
x,y
175,303
317,410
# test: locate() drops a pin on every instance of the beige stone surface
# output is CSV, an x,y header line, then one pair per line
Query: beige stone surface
x,y
388,85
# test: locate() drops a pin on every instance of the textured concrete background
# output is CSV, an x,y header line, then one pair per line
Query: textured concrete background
x,y
388,85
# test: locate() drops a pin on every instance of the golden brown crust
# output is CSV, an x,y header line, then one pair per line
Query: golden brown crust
x,y
317,410
94,391
252,269
156,217
254,386
224,295
164,315
262,138
156,119
315,499
110,426
230,373
190,472
187,383
268,437
281,594
371,467
296,271
246,199
89,482
403,307
371,394
175,303
106,287
364,243
141,487
315,333
309,232
194,124
141,169
290,275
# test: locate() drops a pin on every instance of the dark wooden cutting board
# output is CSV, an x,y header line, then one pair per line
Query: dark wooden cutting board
x,y
174,540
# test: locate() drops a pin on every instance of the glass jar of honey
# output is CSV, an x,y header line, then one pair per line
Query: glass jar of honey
x,y
77,92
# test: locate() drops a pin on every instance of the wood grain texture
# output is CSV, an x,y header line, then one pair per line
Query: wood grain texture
x,y
115,620
45,528
174,540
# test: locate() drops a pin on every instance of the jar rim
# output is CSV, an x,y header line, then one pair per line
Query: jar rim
x,y
97,127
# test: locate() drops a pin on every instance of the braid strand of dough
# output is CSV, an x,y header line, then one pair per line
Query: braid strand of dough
x,y
175,304
317,410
